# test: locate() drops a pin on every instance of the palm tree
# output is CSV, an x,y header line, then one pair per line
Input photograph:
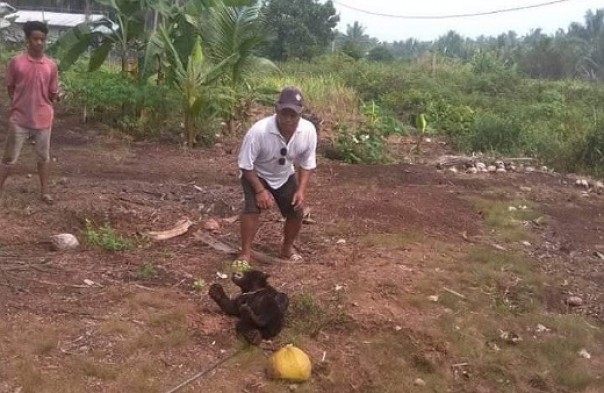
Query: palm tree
x,y
236,33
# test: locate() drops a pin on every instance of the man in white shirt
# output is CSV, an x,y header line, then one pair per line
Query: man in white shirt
x,y
270,149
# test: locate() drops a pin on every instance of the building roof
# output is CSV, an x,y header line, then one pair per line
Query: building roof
x,y
61,19
6,8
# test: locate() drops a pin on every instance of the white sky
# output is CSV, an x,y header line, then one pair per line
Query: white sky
x,y
549,18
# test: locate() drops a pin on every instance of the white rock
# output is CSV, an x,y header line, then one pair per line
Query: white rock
x,y
433,298
529,169
512,208
541,329
481,167
584,354
525,243
544,168
341,241
574,301
64,242
501,170
453,169
420,382
599,186
472,170
492,168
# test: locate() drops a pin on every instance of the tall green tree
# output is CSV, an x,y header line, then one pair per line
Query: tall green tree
x,y
300,28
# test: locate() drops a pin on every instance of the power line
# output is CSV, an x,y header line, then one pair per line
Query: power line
x,y
499,11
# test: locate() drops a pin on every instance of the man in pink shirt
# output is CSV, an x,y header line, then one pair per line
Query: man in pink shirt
x,y
32,82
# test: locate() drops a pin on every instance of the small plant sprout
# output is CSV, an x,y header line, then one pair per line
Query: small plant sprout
x,y
199,284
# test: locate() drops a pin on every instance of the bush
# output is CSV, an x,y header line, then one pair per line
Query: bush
x,y
117,100
590,155
491,132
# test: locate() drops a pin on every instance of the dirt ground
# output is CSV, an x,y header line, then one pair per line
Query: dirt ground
x,y
384,239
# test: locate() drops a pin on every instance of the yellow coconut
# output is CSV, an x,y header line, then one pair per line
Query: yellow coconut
x,y
291,364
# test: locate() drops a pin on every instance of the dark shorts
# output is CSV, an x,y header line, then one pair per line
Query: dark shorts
x,y
283,196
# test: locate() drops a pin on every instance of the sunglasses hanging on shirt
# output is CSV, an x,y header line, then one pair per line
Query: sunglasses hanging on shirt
x,y
283,153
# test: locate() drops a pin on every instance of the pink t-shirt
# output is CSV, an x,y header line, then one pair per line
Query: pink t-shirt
x,y
34,81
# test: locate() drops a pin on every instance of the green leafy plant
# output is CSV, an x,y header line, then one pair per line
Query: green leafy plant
x,y
146,272
105,237
199,284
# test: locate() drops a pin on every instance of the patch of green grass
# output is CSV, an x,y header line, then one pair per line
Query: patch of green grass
x,y
504,292
106,237
507,218
146,271
308,317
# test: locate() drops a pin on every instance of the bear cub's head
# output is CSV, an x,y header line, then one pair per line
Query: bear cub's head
x,y
250,281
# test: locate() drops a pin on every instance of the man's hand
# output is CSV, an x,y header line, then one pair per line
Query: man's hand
x,y
298,200
264,200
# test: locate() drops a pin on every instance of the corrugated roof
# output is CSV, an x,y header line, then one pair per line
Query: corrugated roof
x,y
61,19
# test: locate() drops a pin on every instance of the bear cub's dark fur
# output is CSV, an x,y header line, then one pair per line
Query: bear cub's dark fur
x,y
260,307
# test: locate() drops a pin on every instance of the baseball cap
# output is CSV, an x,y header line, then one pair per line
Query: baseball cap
x,y
291,98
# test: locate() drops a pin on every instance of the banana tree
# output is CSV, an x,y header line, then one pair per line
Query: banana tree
x,y
191,76
123,32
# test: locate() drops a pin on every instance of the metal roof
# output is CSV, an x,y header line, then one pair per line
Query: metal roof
x,y
61,19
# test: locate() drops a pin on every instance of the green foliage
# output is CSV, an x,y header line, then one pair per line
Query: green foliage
x,y
380,53
367,144
591,154
199,284
105,237
117,100
492,132
301,29
146,272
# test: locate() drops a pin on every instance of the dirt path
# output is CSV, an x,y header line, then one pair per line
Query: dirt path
x,y
386,238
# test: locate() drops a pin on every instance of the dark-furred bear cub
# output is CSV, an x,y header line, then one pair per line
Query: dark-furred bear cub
x,y
260,307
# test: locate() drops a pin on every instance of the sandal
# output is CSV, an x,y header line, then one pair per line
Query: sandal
x,y
294,258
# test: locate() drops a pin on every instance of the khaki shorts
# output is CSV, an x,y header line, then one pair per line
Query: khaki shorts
x,y
18,135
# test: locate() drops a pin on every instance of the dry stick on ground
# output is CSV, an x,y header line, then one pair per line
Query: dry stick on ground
x,y
229,249
204,372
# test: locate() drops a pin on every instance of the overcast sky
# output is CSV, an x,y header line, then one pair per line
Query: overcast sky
x,y
549,18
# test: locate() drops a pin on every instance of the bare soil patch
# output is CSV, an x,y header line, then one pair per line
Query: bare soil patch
x,y
385,239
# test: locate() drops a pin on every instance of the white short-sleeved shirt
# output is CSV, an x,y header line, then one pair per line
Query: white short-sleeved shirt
x,y
262,146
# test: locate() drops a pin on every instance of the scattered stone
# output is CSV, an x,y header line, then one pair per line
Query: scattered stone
x,y
64,242
292,387
501,170
398,328
541,329
529,169
341,241
63,181
29,175
525,243
544,168
419,382
481,167
221,275
599,254
453,169
491,169
433,298
211,225
512,208
472,170
493,346
599,187
525,189
584,354
510,337
574,301
89,282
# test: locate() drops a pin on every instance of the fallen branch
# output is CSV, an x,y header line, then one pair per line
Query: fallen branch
x,y
226,248
181,228
454,292
204,372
